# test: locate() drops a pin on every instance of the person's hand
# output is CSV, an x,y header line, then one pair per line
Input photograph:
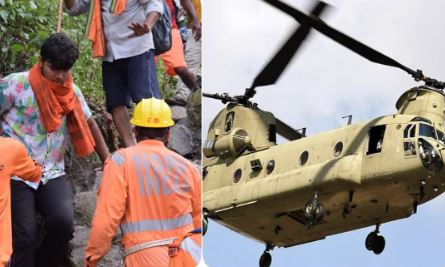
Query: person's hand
x,y
196,30
138,29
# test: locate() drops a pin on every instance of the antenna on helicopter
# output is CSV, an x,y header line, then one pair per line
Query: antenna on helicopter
x,y
352,44
349,118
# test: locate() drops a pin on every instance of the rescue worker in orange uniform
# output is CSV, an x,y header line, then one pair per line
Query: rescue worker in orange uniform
x,y
150,192
14,160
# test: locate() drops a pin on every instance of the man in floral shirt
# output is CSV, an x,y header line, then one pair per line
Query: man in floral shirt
x,y
41,108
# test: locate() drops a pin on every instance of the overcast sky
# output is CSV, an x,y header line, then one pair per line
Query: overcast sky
x,y
324,82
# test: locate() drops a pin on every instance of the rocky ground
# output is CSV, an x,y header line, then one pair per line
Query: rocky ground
x,y
85,175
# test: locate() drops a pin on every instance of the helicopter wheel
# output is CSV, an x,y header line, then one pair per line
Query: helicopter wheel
x,y
370,240
319,212
379,245
375,242
313,211
310,208
265,259
205,224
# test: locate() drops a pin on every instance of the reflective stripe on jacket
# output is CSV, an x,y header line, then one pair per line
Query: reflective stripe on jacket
x,y
152,193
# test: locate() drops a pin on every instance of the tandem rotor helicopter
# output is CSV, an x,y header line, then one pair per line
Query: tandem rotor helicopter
x,y
315,186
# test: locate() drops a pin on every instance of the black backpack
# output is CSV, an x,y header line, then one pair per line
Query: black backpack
x,y
162,32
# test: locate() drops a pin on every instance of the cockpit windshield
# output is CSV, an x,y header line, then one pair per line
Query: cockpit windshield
x,y
429,131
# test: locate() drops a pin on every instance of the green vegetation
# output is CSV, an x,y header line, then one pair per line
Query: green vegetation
x,y
25,24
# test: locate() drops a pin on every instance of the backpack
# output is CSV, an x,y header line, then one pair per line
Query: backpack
x,y
162,32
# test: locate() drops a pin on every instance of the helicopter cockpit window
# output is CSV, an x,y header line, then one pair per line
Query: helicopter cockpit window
x,y
376,135
427,131
409,147
230,117
410,131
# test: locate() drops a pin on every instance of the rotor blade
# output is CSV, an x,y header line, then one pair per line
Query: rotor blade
x,y
286,131
354,45
224,97
214,96
272,71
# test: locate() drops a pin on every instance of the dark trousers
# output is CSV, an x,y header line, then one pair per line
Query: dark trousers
x,y
54,202
130,79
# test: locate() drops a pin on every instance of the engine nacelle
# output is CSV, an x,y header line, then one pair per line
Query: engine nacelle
x,y
229,145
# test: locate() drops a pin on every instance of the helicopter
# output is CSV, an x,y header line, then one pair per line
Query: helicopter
x,y
315,186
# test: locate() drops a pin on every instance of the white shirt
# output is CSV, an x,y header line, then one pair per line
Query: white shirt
x,y
116,30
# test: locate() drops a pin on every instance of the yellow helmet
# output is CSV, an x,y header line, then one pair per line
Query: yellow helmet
x,y
152,113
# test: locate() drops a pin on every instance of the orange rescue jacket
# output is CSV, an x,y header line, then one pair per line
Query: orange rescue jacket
x,y
14,160
152,193
185,251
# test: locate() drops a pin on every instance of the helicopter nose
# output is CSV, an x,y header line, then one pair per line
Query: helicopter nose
x,y
432,159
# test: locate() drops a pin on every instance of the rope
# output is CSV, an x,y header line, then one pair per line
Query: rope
x,y
59,18
150,244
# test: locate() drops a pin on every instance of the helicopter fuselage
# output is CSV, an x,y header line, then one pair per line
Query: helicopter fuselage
x,y
364,174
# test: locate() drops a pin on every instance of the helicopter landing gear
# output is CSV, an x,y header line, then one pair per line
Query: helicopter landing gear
x,y
313,211
347,210
266,258
375,242
205,224
415,204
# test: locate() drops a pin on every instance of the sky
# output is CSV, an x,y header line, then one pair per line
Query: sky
x,y
323,83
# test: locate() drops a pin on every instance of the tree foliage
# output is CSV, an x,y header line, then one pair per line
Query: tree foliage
x,y
25,24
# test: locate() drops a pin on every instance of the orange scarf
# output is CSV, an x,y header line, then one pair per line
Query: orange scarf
x,y
56,100
95,31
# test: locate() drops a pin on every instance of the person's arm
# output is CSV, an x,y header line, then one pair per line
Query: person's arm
x,y
155,9
77,7
195,25
24,166
101,147
140,29
110,208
